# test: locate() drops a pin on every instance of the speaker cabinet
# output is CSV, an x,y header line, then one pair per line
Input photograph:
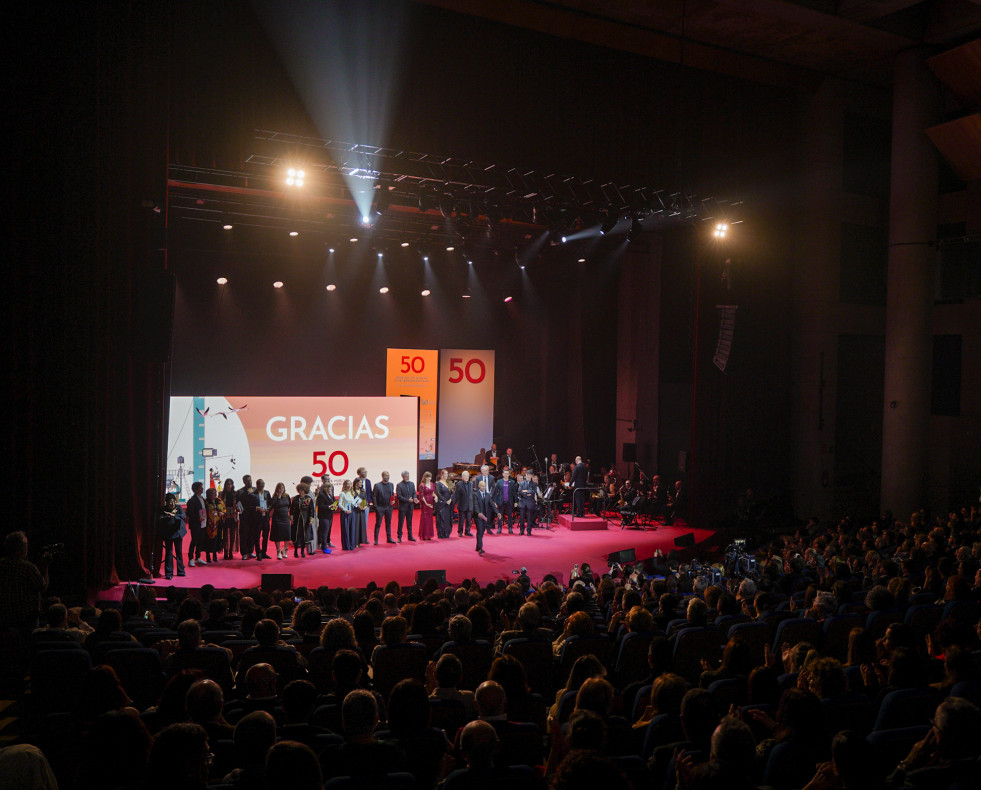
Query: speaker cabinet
x,y
276,581
439,575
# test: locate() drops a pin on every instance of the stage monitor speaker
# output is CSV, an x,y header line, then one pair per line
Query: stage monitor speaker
x,y
623,557
276,581
423,576
630,452
685,541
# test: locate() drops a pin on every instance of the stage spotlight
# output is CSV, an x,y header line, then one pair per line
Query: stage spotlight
x,y
425,259
522,267
466,294
365,219
508,298
721,229
405,244
450,248
227,226
330,250
383,289
294,178
612,218
331,287
353,239
582,260
565,239
381,255
426,292
294,233
278,284
222,280
469,263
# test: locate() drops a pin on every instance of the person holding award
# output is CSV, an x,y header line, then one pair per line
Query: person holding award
x,y
443,506
360,511
345,504
281,530
427,494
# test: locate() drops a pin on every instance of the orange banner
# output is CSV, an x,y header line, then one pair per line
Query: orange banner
x,y
413,372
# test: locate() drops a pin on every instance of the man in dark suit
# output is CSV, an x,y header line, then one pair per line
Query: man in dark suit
x,y
382,495
463,502
406,494
580,480
484,511
197,519
487,479
171,528
506,499
248,505
527,502
508,461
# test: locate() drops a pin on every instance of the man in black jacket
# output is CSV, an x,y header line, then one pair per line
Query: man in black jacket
x,y
405,492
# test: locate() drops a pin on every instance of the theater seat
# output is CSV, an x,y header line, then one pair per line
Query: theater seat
x,y
535,656
907,708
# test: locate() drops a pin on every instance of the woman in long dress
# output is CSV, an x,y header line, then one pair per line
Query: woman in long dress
x,y
360,514
443,508
302,516
228,535
427,494
216,515
280,532
262,514
345,505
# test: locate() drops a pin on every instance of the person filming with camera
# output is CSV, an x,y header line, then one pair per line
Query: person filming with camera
x,y
21,585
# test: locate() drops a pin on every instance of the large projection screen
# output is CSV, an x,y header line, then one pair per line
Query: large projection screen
x,y
282,439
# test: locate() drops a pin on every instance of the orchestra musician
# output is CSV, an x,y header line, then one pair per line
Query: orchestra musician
x,y
492,458
580,480
527,502
509,461
463,502
506,500
382,496
443,506
405,492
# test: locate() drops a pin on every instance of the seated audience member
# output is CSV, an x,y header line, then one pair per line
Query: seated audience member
x,y
204,703
577,624
108,628
101,692
180,757
479,744
254,735
409,725
800,723
587,666
448,673
529,626
260,686
660,660
586,769
56,619
293,766
516,738
271,649
171,707
217,614
730,764
115,752
699,718
299,701
188,641
737,662
853,766
522,704
361,755
948,756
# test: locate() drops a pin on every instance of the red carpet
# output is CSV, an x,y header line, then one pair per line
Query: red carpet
x,y
544,552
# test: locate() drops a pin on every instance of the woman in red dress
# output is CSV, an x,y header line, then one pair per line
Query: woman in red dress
x,y
426,493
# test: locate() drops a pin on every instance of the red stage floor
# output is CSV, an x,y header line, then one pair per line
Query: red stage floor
x,y
546,551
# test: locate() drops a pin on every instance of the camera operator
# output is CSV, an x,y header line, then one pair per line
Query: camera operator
x,y
21,585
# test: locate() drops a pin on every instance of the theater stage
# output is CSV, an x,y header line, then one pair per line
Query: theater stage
x,y
545,551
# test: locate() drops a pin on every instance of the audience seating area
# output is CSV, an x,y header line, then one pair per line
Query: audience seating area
x,y
852,660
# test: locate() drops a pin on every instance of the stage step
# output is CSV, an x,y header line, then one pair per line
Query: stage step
x,y
582,522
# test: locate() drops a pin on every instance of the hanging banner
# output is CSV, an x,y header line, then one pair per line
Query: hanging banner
x,y
466,404
280,440
415,372
727,326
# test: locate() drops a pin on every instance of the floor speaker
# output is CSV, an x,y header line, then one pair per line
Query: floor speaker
x,y
276,581
622,557
685,541
423,576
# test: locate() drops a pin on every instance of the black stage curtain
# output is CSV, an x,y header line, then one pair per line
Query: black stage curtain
x,y
90,324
